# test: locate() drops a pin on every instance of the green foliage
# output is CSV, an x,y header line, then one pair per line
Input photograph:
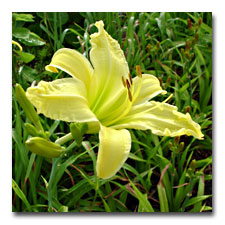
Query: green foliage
x,y
162,174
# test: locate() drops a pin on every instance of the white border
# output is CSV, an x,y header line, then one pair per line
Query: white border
x,y
116,5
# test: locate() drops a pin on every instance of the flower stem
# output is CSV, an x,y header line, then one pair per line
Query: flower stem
x,y
52,184
64,139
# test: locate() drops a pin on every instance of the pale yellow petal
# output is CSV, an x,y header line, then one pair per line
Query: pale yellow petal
x,y
162,119
63,99
109,65
150,88
73,63
114,148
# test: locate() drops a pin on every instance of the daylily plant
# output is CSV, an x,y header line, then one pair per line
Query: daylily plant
x,y
104,95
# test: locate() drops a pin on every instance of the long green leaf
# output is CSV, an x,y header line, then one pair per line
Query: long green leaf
x,y
21,195
197,199
162,198
143,201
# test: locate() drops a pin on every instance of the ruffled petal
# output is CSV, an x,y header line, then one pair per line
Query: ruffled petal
x,y
109,67
162,119
114,148
150,88
73,63
63,99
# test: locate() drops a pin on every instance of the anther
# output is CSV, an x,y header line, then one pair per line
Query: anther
x,y
124,83
138,70
130,95
128,84
130,78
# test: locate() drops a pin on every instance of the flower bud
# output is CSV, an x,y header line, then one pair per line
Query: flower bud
x,y
193,164
34,132
177,139
187,109
31,129
188,45
78,130
149,46
189,23
181,146
43,147
27,107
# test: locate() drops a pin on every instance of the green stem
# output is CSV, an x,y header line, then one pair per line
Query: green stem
x,y
64,139
51,184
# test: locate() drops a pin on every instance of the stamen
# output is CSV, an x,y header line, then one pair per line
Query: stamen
x,y
161,103
124,83
130,78
138,70
168,99
130,95
128,84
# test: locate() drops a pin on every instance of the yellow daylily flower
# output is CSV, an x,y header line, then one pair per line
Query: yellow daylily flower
x,y
103,95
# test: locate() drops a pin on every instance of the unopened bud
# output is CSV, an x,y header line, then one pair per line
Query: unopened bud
x,y
27,107
43,147
78,130
188,45
187,109
149,46
189,23
177,139
193,164
34,132
31,129
181,146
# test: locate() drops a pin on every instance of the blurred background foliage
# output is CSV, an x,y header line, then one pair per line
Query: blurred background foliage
x,y
162,173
